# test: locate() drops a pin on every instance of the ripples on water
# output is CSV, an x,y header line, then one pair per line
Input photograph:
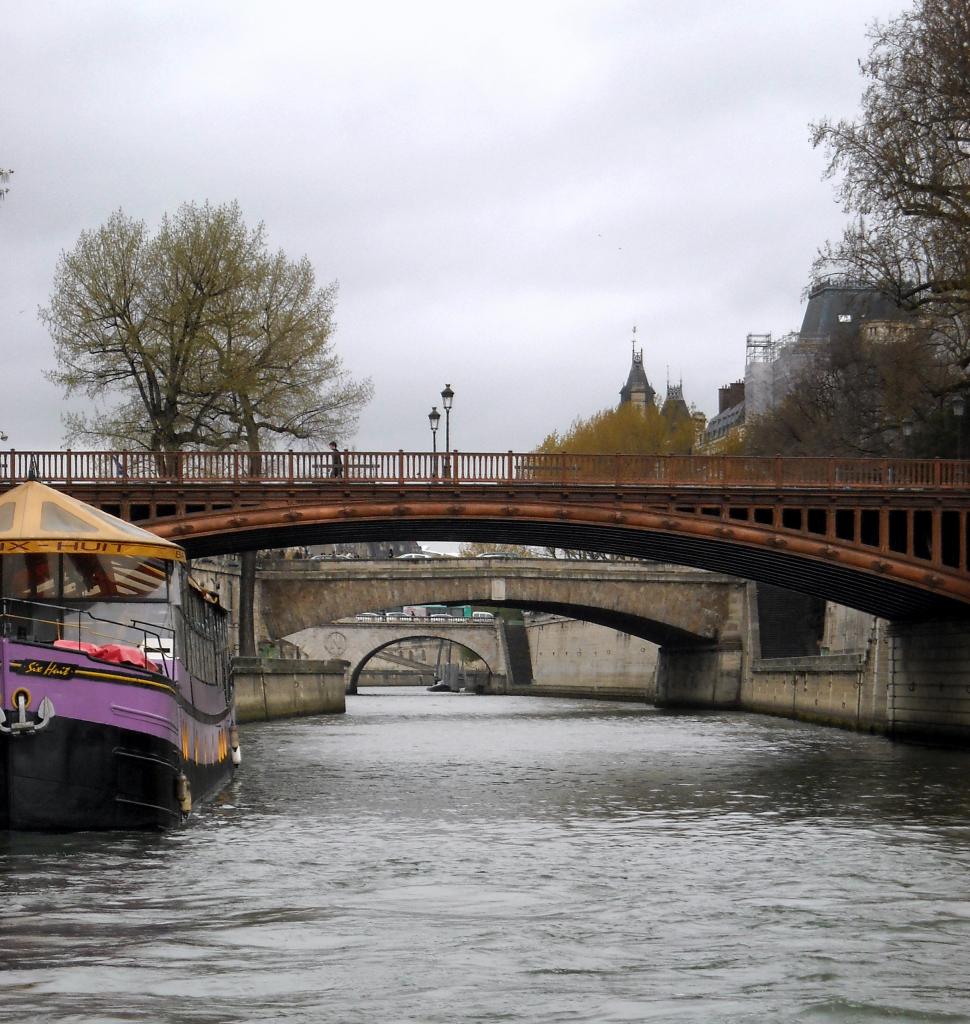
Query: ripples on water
x,y
442,858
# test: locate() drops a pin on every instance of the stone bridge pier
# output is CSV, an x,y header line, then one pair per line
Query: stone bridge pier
x,y
710,674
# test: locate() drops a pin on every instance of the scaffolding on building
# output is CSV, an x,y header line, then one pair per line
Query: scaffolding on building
x,y
759,349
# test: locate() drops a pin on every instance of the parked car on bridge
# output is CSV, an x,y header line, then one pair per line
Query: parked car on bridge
x,y
502,555
414,556
367,617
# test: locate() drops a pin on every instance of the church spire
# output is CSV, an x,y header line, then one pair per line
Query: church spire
x,y
637,389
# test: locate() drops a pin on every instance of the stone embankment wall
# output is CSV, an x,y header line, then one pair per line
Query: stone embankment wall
x,y
842,685
906,680
580,659
268,688
393,676
846,684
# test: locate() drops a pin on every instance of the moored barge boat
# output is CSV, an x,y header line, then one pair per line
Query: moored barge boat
x,y
116,704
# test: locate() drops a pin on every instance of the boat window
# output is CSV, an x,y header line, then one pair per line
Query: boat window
x,y
7,510
33,577
117,576
38,577
88,576
55,518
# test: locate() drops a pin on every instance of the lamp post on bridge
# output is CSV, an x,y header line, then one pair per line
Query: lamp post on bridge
x,y
447,397
433,418
959,406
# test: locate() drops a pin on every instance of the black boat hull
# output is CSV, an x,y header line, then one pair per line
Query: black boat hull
x,y
84,775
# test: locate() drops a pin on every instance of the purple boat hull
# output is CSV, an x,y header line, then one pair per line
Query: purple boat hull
x,y
91,744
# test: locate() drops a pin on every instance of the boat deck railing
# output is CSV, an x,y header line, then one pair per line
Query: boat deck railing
x,y
77,628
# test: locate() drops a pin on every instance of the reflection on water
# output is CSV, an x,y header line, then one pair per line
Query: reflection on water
x,y
440,858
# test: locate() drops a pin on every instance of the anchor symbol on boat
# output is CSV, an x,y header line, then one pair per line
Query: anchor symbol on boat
x,y
24,726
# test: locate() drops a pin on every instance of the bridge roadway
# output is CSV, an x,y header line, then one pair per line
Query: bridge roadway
x,y
890,537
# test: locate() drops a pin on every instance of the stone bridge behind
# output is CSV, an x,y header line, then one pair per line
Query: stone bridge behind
x,y
697,618
909,680
667,605
357,642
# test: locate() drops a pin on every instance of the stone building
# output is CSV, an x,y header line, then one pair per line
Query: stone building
x,y
772,365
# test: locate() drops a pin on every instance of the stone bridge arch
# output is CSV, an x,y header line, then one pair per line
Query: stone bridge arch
x,y
698,619
358,642
667,605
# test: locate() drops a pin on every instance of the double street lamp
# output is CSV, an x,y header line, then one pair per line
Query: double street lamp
x,y
958,406
434,418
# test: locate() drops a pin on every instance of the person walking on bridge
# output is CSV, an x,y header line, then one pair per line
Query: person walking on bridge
x,y
336,462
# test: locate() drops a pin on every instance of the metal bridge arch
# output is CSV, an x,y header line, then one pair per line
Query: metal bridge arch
x,y
891,537
867,578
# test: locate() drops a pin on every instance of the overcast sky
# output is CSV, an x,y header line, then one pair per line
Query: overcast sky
x,y
502,189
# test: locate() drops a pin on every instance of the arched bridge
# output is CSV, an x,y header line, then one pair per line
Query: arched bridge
x,y
663,604
886,536
358,642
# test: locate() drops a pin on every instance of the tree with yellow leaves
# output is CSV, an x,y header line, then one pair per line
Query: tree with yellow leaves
x,y
627,430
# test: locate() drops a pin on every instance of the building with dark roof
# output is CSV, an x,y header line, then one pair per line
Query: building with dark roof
x,y
836,308
835,313
637,390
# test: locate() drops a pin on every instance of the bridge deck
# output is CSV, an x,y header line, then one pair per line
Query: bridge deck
x,y
888,535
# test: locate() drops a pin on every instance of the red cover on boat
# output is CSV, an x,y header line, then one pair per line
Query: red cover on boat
x,y
121,654
76,645
118,654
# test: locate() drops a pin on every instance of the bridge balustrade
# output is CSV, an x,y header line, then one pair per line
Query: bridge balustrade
x,y
292,467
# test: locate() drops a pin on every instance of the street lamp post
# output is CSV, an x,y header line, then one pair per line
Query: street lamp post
x,y
447,397
433,418
959,406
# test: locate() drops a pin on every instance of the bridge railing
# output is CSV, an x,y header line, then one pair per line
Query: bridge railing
x,y
291,467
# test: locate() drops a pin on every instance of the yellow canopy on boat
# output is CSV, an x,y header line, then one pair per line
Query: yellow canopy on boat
x,y
36,519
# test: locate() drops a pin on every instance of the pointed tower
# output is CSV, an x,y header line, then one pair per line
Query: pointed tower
x,y
675,407
637,390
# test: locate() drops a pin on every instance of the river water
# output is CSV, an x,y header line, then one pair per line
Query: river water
x,y
449,858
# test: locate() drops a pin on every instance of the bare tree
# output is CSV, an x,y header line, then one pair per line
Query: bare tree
x,y
197,336
853,393
284,380
903,172
138,321
904,175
